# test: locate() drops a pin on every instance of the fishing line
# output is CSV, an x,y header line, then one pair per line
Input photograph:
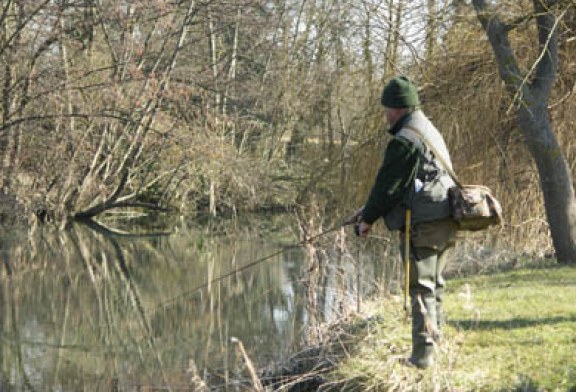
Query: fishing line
x,y
252,264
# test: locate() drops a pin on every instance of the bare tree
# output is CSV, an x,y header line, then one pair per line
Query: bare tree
x,y
530,92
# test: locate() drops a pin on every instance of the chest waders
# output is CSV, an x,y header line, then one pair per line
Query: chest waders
x,y
419,305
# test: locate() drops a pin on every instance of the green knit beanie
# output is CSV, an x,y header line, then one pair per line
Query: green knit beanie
x,y
400,93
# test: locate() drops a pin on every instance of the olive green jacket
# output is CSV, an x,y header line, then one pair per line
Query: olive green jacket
x,y
395,177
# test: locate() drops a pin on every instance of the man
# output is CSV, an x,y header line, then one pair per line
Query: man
x,y
412,178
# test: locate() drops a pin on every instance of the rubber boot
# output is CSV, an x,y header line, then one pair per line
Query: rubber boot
x,y
424,330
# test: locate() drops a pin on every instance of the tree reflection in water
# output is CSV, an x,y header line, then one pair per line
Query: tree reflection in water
x,y
84,309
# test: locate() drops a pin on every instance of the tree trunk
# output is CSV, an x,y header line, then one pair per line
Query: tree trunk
x,y
214,59
7,152
392,38
431,28
555,180
231,81
530,93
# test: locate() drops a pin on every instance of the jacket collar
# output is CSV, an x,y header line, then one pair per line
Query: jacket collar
x,y
400,123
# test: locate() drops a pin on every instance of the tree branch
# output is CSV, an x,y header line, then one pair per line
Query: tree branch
x,y
497,33
519,21
108,203
20,27
547,63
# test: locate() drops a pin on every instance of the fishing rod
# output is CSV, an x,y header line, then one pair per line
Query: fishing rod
x,y
348,221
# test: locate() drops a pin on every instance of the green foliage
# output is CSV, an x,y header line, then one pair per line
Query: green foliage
x,y
510,331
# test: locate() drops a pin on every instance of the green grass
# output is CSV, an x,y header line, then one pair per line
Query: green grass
x,y
511,331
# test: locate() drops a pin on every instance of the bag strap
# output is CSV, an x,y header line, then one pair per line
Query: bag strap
x,y
438,156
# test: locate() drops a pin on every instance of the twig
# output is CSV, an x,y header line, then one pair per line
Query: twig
x,y
250,365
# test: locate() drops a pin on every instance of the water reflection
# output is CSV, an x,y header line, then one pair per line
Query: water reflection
x,y
87,310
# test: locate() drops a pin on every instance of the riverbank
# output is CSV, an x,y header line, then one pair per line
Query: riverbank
x,y
507,331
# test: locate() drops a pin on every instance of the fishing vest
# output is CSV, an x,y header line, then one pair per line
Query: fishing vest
x,y
428,197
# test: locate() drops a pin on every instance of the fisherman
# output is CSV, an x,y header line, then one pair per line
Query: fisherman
x,y
412,183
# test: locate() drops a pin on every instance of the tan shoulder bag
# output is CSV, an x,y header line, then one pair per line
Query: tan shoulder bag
x,y
473,207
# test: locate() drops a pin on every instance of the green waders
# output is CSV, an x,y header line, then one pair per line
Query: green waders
x,y
428,244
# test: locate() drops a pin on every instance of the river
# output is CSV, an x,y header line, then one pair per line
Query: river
x,y
143,307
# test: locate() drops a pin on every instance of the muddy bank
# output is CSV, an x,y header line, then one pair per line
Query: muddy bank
x,y
307,369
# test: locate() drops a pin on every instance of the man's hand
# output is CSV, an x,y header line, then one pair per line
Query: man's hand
x,y
364,229
360,228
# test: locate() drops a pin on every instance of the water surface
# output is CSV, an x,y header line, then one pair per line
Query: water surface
x,y
88,309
